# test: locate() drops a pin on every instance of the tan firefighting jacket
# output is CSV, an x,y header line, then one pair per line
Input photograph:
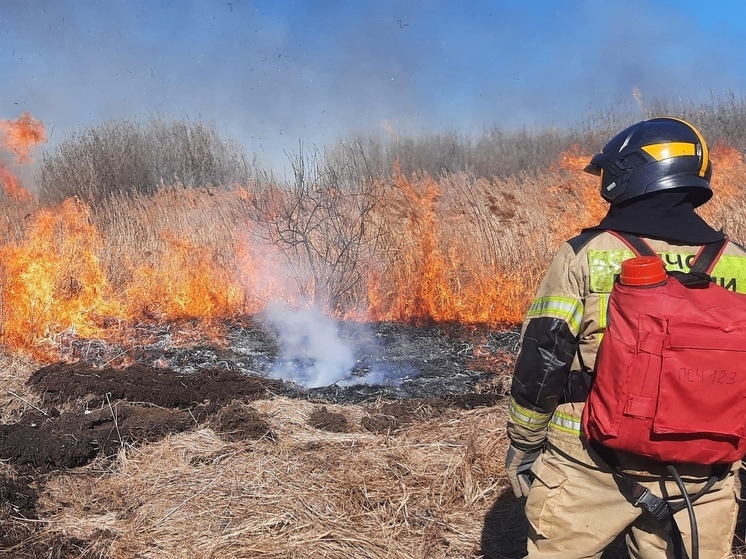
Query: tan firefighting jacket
x,y
565,324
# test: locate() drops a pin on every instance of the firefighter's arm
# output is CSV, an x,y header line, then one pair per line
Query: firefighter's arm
x,y
548,347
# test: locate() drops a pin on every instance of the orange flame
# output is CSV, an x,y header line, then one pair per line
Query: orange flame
x,y
19,136
12,186
432,269
727,171
22,134
579,193
434,280
52,281
183,283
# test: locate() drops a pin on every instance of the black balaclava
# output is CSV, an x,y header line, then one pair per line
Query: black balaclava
x,y
665,215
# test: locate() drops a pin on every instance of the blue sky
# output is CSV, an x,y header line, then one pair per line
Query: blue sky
x,y
271,73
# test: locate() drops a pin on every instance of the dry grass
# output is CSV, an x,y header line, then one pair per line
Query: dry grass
x,y
435,490
423,493
123,157
15,398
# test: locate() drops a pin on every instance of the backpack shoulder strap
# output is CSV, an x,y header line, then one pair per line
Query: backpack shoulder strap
x,y
703,262
707,257
635,243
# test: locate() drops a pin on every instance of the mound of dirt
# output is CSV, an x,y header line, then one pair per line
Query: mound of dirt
x,y
327,421
112,407
40,444
237,422
63,382
17,501
17,497
116,407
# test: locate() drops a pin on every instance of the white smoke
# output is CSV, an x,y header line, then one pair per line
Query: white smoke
x,y
313,352
314,349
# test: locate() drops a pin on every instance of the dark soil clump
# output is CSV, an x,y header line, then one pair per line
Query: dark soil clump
x,y
329,421
380,424
398,414
56,547
41,444
17,498
238,422
472,400
17,501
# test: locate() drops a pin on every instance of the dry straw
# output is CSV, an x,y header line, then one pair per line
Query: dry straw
x,y
420,493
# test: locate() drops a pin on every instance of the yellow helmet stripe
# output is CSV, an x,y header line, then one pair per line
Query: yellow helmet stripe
x,y
670,149
705,149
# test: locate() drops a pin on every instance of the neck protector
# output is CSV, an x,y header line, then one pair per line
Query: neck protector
x,y
668,216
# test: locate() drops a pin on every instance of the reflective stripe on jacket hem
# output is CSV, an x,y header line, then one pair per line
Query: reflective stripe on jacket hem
x,y
565,422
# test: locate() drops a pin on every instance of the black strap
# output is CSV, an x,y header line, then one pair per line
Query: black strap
x,y
583,238
638,245
708,256
641,497
658,508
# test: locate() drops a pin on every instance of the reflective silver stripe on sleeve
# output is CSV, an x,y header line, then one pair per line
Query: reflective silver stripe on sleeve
x,y
553,306
528,418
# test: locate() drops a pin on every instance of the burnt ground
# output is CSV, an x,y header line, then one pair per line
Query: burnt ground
x,y
105,395
172,389
405,361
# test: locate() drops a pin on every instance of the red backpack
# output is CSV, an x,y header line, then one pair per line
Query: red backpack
x,y
670,380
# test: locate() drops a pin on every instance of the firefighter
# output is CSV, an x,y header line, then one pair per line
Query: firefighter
x,y
653,175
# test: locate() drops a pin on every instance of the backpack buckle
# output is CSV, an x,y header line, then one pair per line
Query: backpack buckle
x,y
648,501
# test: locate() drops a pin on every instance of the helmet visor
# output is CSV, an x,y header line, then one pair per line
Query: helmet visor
x,y
596,164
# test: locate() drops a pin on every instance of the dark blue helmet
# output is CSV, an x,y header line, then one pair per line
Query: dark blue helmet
x,y
651,156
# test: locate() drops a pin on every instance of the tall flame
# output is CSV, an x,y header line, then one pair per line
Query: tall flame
x,y
184,282
437,277
52,280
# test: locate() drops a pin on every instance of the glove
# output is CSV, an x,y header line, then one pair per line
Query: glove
x,y
518,465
